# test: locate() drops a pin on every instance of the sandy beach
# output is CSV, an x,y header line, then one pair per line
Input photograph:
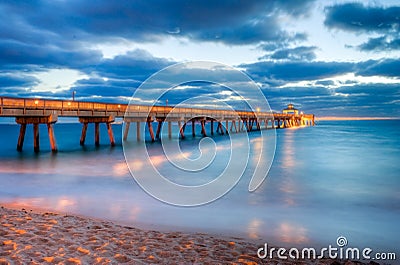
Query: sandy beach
x,y
33,237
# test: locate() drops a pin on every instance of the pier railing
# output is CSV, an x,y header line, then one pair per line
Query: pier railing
x,y
13,107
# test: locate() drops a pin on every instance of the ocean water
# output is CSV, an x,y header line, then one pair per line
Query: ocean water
x,y
338,178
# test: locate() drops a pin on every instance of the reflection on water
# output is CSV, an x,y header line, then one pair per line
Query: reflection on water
x,y
289,153
288,183
254,228
293,234
337,178
61,204
120,169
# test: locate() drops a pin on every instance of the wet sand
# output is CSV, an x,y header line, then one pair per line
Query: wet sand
x,y
34,237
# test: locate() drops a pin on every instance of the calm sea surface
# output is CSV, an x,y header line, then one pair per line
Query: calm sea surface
x,y
339,178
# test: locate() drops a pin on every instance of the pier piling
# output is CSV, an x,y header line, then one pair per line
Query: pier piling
x,y
126,131
36,120
21,137
169,130
160,122
110,134
50,131
138,136
97,120
96,134
83,135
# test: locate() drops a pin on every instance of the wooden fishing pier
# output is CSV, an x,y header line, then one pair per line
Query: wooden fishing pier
x,y
46,111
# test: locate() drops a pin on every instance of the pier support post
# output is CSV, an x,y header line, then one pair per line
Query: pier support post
x,y
160,122
193,128
212,127
138,137
36,120
83,135
220,128
52,139
97,120
234,125
36,147
110,134
169,130
150,127
250,125
21,137
203,128
126,131
96,134
182,129
227,127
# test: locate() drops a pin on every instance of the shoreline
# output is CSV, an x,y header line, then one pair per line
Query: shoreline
x,y
139,225
36,236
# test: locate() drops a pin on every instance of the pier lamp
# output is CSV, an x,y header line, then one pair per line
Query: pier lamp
x,y
69,103
258,109
119,106
36,102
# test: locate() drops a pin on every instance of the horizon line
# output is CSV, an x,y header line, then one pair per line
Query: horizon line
x,y
352,118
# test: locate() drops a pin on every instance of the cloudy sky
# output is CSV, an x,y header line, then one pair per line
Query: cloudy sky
x,y
331,58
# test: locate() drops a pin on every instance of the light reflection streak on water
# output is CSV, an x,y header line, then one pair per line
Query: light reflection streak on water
x,y
291,233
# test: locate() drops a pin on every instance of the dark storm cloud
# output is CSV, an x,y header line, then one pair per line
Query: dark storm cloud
x,y
238,22
357,100
120,76
387,67
373,99
325,98
87,88
137,64
380,44
358,18
278,73
15,84
15,53
14,80
296,71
